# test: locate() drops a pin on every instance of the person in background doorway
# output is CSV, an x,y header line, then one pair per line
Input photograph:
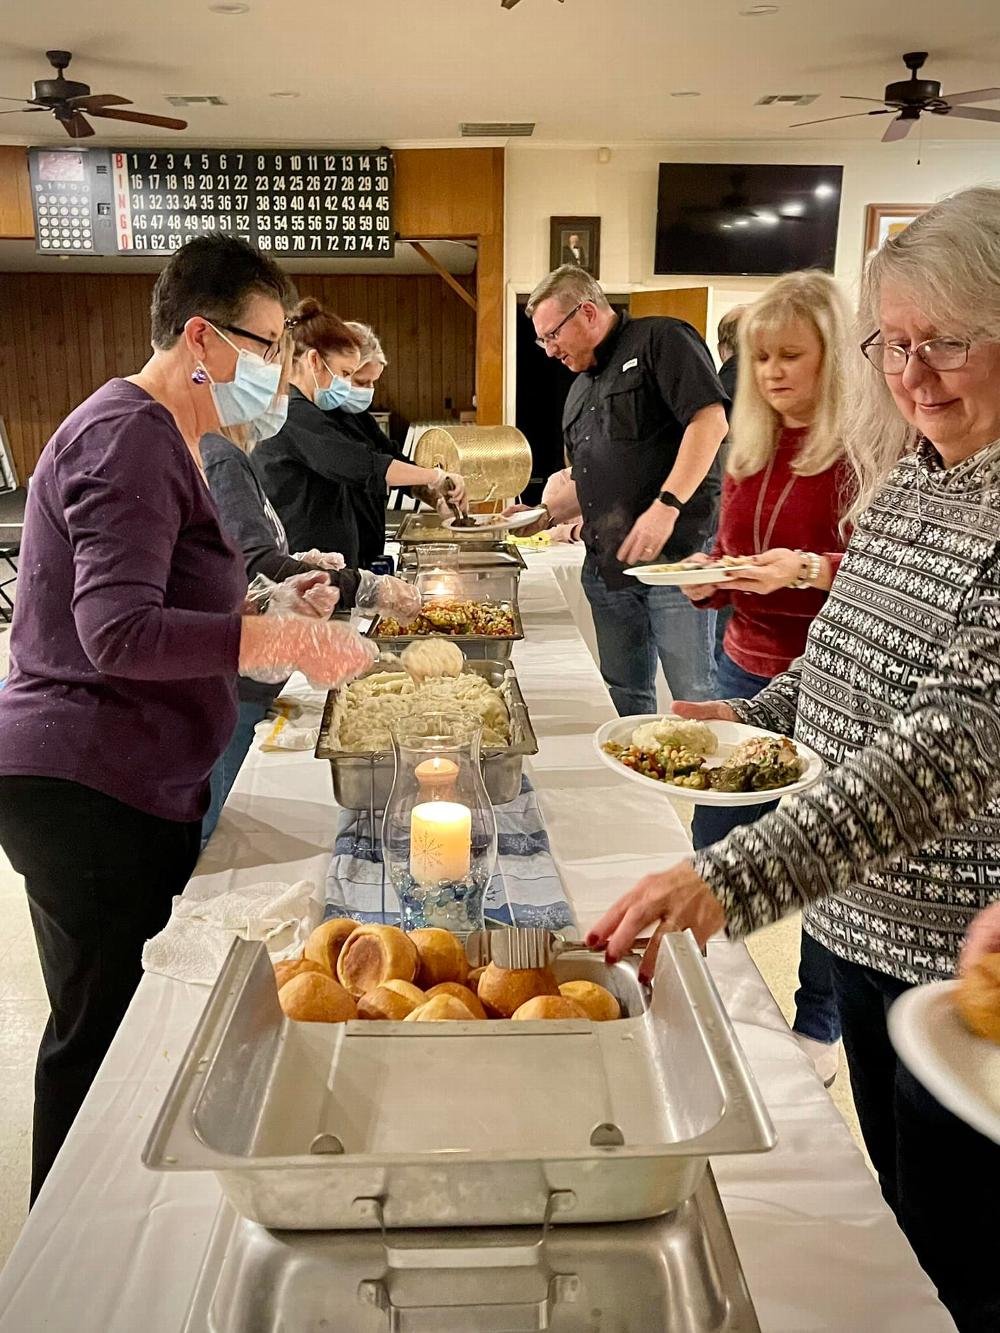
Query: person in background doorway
x,y
642,427
318,475
129,632
728,346
786,489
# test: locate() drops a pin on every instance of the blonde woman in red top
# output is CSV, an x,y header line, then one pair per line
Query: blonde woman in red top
x,y
783,500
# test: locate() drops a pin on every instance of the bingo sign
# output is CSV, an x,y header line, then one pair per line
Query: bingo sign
x,y
290,203
294,203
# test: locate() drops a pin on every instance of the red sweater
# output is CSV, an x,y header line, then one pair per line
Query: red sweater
x,y
767,633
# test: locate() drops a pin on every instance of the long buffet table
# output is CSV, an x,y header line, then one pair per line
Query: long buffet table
x,y
112,1248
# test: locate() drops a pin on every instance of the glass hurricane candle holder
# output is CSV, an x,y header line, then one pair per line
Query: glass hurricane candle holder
x,y
439,832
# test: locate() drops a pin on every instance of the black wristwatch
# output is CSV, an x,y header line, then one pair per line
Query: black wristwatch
x,y
671,501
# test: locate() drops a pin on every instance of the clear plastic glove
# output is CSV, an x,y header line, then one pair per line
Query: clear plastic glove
x,y
449,486
388,595
322,559
301,595
328,653
982,937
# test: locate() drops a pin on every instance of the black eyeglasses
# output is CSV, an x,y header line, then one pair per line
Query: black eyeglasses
x,y
547,339
936,353
272,349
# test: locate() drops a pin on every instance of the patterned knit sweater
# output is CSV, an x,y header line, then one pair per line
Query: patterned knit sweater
x,y
898,847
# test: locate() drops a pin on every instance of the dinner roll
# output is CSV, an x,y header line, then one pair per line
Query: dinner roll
x,y
502,990
978,997
443,1008
312,997
549,1007
292,967
383,1003
472,980
374,954
462,993
406,989
441,955
325,943
598,1004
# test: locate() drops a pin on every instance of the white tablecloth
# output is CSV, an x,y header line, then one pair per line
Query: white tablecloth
x,y
112,1248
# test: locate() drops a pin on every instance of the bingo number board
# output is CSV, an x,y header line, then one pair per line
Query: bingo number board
x,y
289,203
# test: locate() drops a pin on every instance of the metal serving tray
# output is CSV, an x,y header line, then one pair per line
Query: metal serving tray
x,y
679,1272
315,1126
496,583
500,555
425,525
474,646
362,781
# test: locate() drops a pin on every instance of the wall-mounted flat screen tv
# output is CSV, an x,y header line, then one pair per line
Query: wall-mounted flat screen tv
x,y
726,218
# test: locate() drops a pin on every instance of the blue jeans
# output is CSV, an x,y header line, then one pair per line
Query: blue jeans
x,y
940,1178
816,1014
638,625
227,768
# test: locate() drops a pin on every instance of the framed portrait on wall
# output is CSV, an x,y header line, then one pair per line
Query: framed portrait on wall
x,y
576,241
885,220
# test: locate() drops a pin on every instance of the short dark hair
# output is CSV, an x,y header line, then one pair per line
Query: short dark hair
x,y
213,276
727,336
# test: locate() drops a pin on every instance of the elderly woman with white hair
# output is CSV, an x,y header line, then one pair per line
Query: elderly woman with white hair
x,y
897,849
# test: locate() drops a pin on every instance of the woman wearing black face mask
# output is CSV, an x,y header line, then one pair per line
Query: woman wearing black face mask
x,y
320,472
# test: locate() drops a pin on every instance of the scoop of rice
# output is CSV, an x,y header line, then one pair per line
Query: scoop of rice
x,y
697,737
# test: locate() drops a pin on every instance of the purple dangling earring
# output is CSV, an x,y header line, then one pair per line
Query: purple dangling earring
x,y
199,375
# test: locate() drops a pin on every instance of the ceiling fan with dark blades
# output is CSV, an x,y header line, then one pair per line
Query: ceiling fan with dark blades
x,y
908,99
67,100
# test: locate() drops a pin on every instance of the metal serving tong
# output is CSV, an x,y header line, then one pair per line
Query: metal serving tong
x,y
461,520
524,947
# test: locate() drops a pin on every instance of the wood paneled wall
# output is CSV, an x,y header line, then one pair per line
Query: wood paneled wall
x,y
61,336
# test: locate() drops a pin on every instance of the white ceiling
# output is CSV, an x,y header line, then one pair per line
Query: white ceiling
x,y
409,71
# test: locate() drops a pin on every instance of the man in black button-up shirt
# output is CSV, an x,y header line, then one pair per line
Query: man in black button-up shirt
x,y
642,428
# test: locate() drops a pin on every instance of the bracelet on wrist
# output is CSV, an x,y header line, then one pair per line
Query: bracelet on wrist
x,y
809,570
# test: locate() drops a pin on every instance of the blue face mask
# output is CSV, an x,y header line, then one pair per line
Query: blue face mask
x,y
268,425
329,399
360,400
250,392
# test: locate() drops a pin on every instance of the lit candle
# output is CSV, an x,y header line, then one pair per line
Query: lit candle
x,y
436,777
440,841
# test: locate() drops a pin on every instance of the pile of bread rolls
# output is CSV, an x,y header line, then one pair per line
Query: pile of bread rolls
x,y
350,970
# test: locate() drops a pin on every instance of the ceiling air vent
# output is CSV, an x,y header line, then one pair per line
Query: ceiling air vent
x,y
497,129
206,99
787,99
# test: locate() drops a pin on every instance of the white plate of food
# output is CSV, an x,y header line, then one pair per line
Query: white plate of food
x,y
682,574
496,522
683,759
960,1069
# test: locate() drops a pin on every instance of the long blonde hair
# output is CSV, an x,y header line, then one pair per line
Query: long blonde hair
x,y
948,262
815,298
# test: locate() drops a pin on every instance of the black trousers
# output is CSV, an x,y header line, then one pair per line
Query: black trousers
x,y
100,876
940,1178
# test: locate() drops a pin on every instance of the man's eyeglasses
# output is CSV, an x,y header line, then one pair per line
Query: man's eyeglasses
x,y
547,339
935,353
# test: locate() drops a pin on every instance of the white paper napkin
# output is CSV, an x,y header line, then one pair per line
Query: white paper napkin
x,y
195,941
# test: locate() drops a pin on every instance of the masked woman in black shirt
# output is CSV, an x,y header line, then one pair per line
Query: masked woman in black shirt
x,y
319,472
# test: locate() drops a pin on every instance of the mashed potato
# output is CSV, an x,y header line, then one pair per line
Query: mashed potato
x,y
675,732
368,707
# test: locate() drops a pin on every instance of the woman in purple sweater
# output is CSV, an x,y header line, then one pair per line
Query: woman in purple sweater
x,y
128,636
